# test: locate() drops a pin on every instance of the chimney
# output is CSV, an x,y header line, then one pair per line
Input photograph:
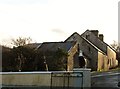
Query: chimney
x,y
101,37
95,32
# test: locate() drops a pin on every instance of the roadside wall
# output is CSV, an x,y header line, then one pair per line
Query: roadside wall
x,y
48,79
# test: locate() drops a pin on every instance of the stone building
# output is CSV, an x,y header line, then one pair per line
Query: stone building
x,y
98,40
98,55
90,52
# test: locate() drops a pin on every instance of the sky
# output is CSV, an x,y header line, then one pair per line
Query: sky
x,y
55,20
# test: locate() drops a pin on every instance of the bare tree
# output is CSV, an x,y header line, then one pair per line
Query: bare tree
x,y
21,41
19,50
116,46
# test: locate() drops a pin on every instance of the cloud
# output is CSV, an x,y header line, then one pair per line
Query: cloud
x,y
58,31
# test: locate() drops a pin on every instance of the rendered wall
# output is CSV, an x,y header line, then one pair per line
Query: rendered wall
x,y
111,57
77,78
102,62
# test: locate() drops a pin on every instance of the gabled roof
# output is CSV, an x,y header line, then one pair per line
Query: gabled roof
x,y
93,45
53,46
71,36
75,33
84,32
99,39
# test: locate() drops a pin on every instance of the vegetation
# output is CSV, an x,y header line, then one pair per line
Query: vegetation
x,y
21,41
51,60
18,59
23,58
8,61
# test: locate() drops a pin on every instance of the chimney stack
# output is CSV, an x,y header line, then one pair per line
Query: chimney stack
x,y
101,37
95,32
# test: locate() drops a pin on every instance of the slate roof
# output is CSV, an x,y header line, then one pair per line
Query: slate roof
x,y
75,33
53,46
33,45
99,40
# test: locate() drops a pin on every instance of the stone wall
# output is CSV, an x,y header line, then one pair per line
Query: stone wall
x,y
90,53
88,50
71,54
109,61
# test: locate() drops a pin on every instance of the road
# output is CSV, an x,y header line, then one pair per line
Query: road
x,y
106,80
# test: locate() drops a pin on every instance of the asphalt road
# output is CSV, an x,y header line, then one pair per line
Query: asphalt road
x,y
106,80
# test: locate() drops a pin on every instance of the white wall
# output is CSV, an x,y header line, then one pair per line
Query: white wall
x,y
46,79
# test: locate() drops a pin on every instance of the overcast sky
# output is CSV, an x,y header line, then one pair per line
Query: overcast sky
x,y
55,20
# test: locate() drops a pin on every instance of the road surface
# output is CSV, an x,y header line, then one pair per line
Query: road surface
x,y
106,80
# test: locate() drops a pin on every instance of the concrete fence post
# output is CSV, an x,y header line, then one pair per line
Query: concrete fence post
x,y
86,76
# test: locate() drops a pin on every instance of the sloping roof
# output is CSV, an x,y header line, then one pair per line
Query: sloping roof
x,y
93,45
75,33
33,45
71,36
53,46
99,39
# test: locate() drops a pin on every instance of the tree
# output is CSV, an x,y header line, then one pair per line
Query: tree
x,y
116,46
53,60
8,61
21,41
19,58
24,57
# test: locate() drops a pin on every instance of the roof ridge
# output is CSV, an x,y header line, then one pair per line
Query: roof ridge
x,y
100,40
86,41
72,35
93,45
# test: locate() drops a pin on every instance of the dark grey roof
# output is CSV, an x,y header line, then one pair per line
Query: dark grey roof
x,y
79,36
53,46
33,45
71,36
99,39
